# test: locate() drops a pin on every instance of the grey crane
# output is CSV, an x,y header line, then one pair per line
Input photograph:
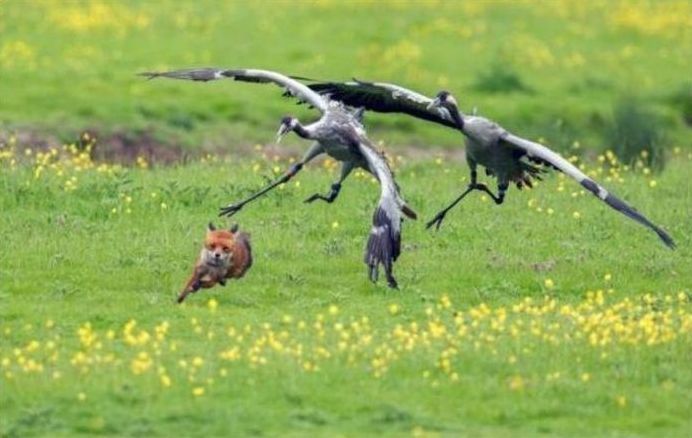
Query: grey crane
x,y
340,134
511,159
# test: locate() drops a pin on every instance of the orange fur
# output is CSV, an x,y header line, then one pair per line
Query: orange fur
x,y
225,254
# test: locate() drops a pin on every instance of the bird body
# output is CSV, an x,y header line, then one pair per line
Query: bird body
x,y
342,136
484,146
335,130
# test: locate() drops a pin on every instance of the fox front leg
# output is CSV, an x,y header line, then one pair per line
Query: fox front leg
x,y
193,285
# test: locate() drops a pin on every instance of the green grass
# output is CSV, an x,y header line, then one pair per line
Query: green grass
x,y
72,67
549,315
67,258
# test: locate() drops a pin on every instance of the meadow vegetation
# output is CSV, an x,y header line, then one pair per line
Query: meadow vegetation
x,y
72,66
548,315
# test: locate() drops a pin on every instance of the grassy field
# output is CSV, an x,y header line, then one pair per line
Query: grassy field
x,y
553,69
548,315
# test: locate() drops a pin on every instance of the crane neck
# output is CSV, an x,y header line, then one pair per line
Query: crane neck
x,y
302,132
457,116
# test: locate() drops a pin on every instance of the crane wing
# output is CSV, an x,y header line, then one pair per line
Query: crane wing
x,y
292,86
383,98
536,151
384,242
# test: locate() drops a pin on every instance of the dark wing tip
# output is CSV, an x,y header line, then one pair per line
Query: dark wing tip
x,y
665,237
303,78
149,75
621,206
361,82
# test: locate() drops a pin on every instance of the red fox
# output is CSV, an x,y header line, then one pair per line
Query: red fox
x,y
226,254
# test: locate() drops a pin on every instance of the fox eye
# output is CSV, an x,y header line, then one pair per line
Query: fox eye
x,y
226,249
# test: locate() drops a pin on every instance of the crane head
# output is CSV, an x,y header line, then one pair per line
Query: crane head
x,y
288,124
443,99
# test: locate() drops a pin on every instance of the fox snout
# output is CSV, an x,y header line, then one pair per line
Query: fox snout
x,y
216,257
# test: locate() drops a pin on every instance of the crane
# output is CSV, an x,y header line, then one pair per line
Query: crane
x,y
508,157
339,134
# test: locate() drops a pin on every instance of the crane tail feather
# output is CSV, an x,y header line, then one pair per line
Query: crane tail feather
x,y
383,247
409,212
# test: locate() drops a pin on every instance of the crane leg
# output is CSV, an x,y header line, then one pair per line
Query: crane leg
x,y
314,151
440,216
501,189
346,169
391,281
473,185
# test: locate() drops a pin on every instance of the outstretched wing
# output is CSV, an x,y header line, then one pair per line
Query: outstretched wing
x,y
384,242
538,152
290,85
383,98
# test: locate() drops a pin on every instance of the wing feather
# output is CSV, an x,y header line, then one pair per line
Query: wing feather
x,y
539,152
290,85
384,98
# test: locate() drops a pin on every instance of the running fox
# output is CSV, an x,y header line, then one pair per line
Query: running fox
x,y
226,254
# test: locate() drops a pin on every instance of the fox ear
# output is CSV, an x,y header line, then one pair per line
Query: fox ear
x,y
234,228
211,227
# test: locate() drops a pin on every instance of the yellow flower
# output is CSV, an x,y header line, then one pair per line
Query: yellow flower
x,y
549,283
607,277
165,380
652,183
198,391
335,224
81,396
393,309
212,304
516,383
333,309
576,215
621,401
585,377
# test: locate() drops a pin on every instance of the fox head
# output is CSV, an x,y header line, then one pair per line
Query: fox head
x,y
218,246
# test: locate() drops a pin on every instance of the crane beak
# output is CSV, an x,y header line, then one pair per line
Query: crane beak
x,y
434,104
283,130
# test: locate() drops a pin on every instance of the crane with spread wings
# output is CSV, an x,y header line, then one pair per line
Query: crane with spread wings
x,y
508,157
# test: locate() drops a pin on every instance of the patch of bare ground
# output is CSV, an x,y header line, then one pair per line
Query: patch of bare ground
x,y
124,147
